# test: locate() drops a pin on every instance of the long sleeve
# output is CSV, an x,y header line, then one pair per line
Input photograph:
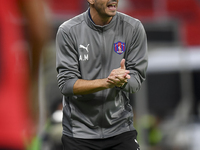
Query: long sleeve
x,y
137,60
66,62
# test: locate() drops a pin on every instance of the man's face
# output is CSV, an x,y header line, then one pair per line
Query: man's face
x,y
106,8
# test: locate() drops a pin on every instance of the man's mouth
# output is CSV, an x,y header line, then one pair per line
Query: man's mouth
x,y
112,6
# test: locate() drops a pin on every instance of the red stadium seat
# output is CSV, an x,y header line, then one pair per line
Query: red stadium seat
x,y
184,9
65,6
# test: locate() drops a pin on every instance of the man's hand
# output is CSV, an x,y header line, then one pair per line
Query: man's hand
x,y
118,77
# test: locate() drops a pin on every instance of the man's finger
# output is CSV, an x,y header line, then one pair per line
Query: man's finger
x,y
114,79
127,76
122,64
110,81
121,79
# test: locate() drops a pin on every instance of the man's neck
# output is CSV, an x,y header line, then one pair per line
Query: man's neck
x,y
97,19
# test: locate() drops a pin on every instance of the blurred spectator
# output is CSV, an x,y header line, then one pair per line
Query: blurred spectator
x,y
18,74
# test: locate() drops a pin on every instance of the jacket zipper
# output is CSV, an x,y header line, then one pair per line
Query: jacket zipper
x,y
102,75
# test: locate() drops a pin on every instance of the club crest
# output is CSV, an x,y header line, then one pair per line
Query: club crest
x,y
119,47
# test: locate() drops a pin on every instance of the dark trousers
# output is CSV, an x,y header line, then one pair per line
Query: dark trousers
x,y
124,141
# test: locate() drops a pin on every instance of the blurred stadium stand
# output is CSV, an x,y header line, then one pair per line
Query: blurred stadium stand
x,y
185,14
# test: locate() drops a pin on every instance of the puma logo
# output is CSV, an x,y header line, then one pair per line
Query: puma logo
x,y
86,48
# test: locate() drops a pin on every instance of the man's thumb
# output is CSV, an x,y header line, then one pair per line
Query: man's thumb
x,y
122,64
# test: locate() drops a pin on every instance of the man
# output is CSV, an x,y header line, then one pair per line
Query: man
x,y
101,58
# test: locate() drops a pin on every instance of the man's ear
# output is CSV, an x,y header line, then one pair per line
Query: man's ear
x,y
90,1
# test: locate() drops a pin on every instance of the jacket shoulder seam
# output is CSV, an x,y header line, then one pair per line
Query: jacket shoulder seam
x,y
129,19
67,28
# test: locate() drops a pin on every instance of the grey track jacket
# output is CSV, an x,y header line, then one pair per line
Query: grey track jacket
x,y
88,51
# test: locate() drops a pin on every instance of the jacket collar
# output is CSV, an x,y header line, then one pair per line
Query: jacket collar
x,y
92,25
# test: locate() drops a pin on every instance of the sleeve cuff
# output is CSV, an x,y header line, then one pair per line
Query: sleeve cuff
x,y
68,87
